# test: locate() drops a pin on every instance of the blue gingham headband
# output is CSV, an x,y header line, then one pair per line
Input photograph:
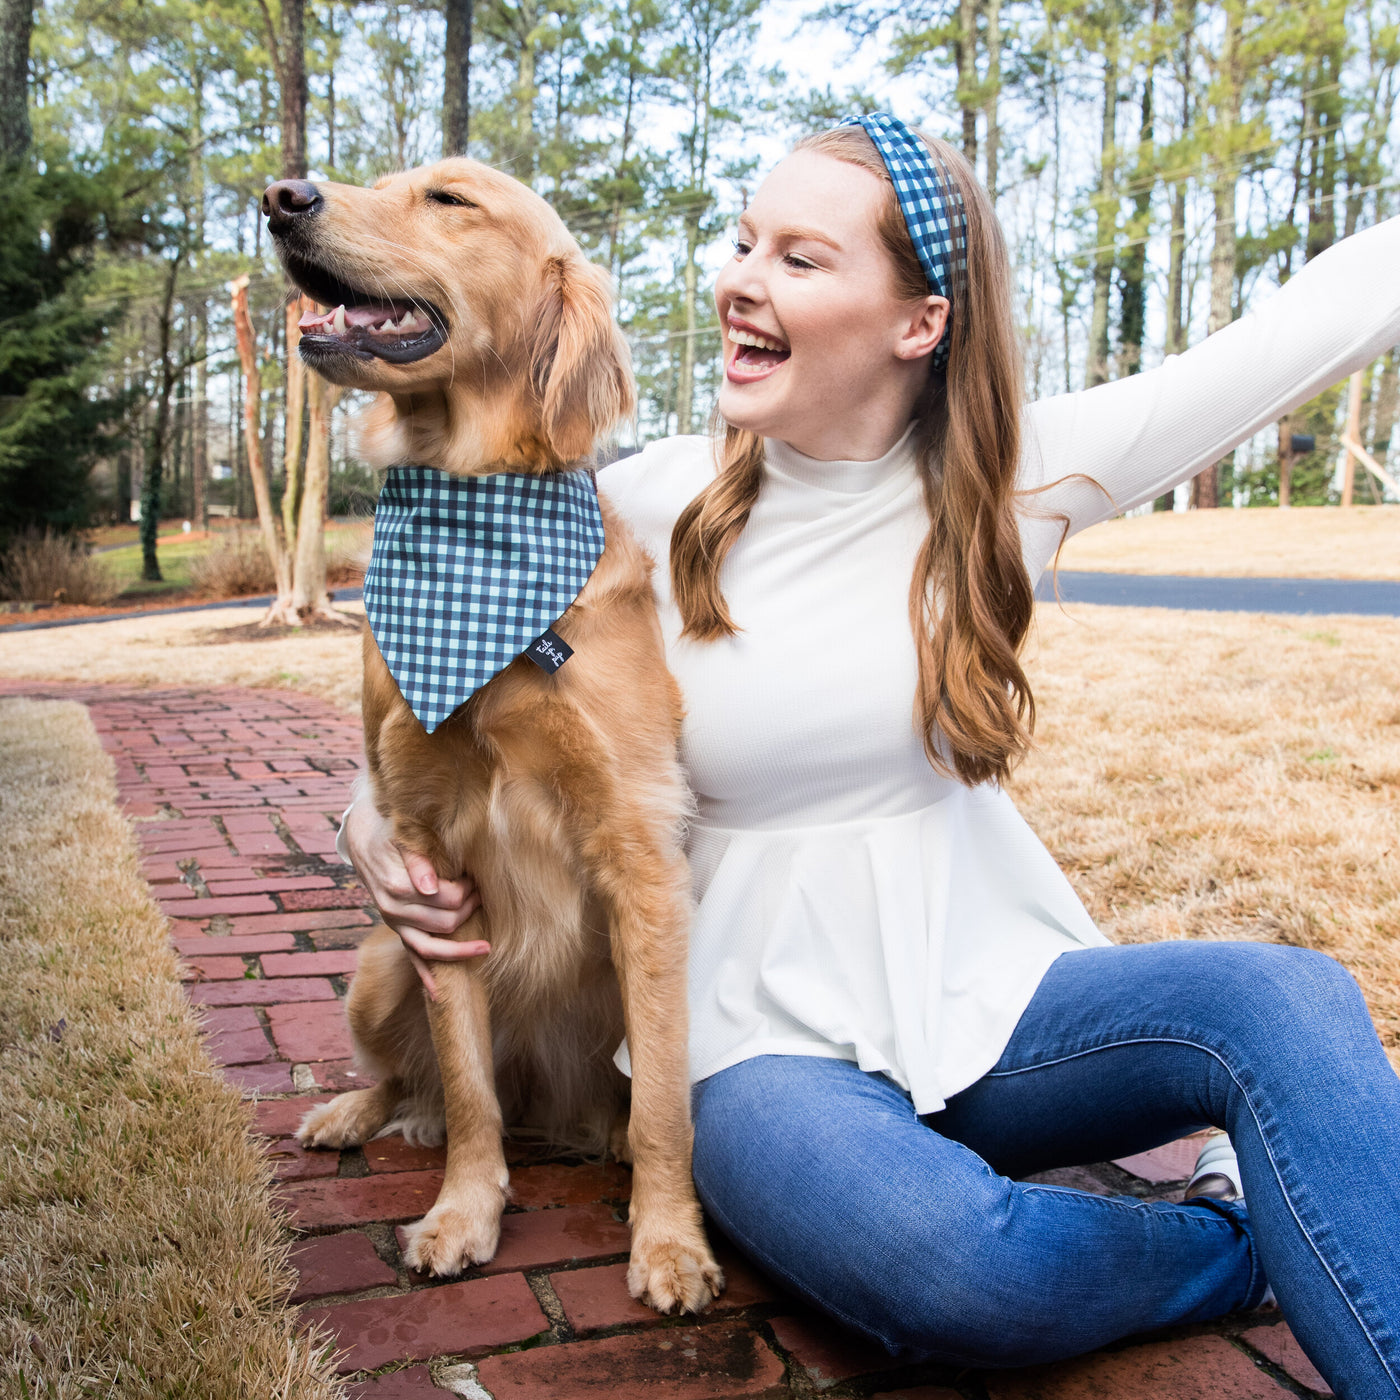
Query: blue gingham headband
x,y
931,206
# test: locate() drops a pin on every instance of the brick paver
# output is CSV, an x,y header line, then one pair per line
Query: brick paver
x,y
234,795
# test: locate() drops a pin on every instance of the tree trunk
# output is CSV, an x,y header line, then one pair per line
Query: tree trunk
x,y
248,360
333,55
967,76
235,442
1176,323
1206,488
309,596
1134,275
179,428
1285,461
1106,218
456,92
1387,403
293,82
156,441
525,96
200,461
685,389
16,32
993,93
1322,178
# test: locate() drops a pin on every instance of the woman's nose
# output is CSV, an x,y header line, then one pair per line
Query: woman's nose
x,y
740,280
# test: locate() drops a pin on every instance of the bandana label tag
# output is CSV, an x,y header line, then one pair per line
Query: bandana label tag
x,y
549,651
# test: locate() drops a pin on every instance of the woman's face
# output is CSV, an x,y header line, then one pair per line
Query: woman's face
x,y
819,350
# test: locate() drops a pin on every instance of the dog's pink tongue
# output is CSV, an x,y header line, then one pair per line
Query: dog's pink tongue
x,y
371,315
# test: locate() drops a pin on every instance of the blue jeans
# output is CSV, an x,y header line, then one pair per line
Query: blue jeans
x,y
914,1232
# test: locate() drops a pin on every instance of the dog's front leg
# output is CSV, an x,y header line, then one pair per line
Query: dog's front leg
x,y
464,1226
671,1267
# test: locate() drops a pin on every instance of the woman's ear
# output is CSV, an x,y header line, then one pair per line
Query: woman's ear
x,y
581,366
925,328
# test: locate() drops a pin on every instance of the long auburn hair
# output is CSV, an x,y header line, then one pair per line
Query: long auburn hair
x,y
970,598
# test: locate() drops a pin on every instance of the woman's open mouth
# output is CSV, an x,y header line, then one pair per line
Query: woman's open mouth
x,y
399,329
755,355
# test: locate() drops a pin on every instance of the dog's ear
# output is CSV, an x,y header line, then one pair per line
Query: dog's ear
x,y
581,365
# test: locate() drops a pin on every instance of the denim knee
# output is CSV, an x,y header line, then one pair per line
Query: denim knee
x,y
1247,995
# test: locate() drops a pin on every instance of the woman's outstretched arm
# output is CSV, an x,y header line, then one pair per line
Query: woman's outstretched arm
x,y
1140,436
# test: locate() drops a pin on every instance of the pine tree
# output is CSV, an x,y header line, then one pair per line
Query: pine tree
x,y
52,416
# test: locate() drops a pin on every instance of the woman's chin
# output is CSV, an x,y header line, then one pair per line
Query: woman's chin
x,y
741,408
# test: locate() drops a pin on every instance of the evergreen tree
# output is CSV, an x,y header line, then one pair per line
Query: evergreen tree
x,y
51,415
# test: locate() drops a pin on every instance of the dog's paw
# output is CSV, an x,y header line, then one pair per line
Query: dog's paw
x,y
347,1121
674,1275
453,1237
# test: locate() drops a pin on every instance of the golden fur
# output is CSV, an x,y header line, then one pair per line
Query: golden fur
x,y
561,794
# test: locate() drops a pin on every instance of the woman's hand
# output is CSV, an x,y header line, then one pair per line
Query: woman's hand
x,y
423,910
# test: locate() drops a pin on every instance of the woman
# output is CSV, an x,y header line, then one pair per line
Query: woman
x,y
898,1004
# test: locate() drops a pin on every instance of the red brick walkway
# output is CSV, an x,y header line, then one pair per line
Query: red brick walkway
x,y
234,795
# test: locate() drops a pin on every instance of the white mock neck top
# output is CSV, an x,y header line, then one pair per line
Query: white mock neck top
x,y
851,902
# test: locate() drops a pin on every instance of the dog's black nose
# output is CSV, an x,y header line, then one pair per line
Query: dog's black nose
x,y
290,199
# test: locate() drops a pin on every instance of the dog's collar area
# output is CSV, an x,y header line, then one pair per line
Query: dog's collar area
x,y
469,573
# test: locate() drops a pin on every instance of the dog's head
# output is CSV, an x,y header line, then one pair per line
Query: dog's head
x,y
458,292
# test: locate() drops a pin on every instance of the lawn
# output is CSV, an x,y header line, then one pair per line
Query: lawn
x,y
178,551
1198,775
1225,775
175,552
141,1256
1305,542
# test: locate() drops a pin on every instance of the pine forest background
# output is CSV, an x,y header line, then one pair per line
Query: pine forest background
x,y
1159,167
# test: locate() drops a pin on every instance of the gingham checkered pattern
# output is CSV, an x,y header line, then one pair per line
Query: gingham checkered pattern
x,y
467,571
926,201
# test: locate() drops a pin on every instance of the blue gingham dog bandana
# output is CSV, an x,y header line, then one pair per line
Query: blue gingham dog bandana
x,y
466,573
931,205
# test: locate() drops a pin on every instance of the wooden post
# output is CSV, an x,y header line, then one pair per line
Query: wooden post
x,y
1351,436
1285,461
247,355
291,432
309,595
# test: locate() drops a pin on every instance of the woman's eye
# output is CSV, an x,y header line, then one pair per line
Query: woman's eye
x,y
793,260
740,248
443,197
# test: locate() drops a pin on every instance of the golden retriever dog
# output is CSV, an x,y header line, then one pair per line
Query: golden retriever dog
x,y
470,308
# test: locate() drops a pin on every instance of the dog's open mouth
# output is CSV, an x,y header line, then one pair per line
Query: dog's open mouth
x,y
399,329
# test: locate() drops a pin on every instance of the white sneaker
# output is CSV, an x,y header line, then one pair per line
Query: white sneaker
x,y
1217,1173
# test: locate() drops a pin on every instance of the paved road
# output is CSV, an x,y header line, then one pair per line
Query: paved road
x,y
1270,595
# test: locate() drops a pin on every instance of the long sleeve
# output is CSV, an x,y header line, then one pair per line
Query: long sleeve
x,y
1140,436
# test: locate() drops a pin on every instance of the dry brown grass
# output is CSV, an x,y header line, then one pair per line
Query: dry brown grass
x,y
1217,775
176,650
237,564
1200,775
52,568
139,1255
1305,542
